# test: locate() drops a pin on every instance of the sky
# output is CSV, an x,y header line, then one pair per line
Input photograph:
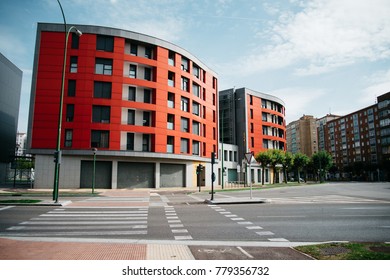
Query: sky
x,y
318,56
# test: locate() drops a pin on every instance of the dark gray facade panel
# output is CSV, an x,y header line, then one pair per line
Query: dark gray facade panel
x,y
135,175
172,175
103,174
10,89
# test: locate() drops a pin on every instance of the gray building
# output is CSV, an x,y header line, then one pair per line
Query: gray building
x,y
10,88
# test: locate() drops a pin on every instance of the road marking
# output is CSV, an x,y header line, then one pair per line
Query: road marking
x,y
245,223
82,222
94,215
357,215
81,233
50,227
6,207
237,219
184,237
265,233
296,216
278,240
98,212
245,252
179,231
254,227
176,225
230,216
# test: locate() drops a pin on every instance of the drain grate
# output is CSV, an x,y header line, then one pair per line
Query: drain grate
x,y
334,251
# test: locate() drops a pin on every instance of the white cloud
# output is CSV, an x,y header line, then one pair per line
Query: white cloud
x,y
299,101
379,83
324,35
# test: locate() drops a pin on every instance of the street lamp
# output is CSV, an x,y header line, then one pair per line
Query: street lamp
x,y
57,153
94,150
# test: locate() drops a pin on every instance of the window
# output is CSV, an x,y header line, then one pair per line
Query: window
x,y
251,99
171,79
185,84
185,125
69,112
145,142
184,146
75,41
101,114
133,71
100,138
196,128
263,103
195,70
146,119
102,90
252,128
170,144
68,138
196,108
196,148
71,88
104,43
131,117
252,142
103,66
133,49
148,74
171,100
171,121
251,113
264,117
184,104
148,52
130,142
171,58
184,64
147,96
196,89
73,64
131,96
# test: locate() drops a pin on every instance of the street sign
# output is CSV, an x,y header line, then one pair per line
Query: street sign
x,y
248,157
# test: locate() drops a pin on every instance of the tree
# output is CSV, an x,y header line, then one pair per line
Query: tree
x,y
287,163
300,162
276,158
322,162
264,158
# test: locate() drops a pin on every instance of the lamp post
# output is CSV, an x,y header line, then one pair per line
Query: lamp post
x,y
94,150
57,153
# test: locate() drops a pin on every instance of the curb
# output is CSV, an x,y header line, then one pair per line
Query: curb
x,y
236,201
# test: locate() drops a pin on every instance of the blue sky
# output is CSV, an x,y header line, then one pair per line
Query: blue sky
x,y
318,56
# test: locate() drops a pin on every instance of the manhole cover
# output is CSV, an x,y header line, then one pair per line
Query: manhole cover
x,y
334,251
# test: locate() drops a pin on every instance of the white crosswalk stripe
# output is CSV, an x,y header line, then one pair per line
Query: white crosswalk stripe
x,y
71,222
328,199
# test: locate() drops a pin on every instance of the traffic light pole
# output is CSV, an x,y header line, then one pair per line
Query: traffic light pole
x,y
212,175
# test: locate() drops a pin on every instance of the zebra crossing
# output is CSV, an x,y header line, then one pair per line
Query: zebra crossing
x,y
72,222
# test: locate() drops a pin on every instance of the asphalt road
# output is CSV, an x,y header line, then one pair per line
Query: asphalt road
x,y
333,212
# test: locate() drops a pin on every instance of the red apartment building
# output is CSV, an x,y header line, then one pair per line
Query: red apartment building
x,y
148,106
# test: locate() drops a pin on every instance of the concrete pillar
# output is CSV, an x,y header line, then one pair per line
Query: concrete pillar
x,y
157,175
114,175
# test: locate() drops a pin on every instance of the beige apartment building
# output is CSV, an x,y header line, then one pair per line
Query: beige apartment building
x,y
302,136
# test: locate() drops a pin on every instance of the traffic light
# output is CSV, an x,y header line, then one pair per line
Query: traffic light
x,y
57,157
212,158
199,169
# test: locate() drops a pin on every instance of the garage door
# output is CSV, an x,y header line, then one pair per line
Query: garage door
x,y
135,175
172,175
103,174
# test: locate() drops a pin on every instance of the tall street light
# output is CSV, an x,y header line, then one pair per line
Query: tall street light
x,y
94,150
57,153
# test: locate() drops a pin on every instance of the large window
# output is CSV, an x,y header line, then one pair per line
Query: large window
x,y
68,138
171,121
131,117
185,64
130,142
132,91
133,71
102,89
171,58
148,74
100,138
185,84
196,148
171,100
184,146
75,40
184,104
147,96
185,123
170,144
195,108
146,119
101,114
73,64
133,49
103,66
196,128
71,88
196,89
69,112
105,43
145,143
171,79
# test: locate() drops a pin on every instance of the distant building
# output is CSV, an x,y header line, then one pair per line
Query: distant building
x,y
302,136
250,121
321,125
21,143
384,125
10,89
